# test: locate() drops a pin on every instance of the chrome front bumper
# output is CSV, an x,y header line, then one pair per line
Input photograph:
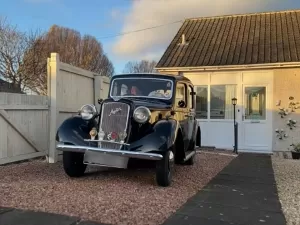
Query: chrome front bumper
x,y
112,152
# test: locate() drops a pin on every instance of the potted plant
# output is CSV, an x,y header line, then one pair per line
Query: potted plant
x,y
296,151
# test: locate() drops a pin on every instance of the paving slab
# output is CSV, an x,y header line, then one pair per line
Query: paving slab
x,y
90,223
5,209
178,219
232,213
22,217
244,192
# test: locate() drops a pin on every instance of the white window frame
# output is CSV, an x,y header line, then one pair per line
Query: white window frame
x,y
209,102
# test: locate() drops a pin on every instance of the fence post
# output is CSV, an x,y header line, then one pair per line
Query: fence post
x,y
53,73
97,88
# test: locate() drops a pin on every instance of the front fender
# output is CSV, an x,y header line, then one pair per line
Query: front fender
x,y
74,130
161,138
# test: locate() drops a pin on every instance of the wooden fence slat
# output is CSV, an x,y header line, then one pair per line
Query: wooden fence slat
x,y
5,116
23,107
21,157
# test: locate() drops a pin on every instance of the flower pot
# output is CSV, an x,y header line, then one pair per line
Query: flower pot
x,y
295,155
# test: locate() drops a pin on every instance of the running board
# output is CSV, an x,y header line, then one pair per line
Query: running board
x,y
189,155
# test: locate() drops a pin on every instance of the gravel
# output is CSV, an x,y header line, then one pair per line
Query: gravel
x,y
287,175
111,197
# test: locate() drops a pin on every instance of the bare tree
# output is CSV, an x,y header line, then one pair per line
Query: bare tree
x,y
143,66
23,56
84,52
13,46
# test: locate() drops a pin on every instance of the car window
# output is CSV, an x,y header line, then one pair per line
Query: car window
x,y
190,97
142,87
180,92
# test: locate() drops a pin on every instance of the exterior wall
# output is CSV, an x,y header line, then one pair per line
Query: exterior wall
x,y
256,137
286,84
168,72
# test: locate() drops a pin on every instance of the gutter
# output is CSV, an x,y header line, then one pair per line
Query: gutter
x,y
231,67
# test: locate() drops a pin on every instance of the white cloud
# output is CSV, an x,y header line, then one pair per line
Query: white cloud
x,y
148,13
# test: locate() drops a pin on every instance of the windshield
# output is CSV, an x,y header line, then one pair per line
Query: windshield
x,y
142,87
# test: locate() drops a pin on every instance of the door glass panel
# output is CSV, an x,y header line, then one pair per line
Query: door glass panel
x,y
255,103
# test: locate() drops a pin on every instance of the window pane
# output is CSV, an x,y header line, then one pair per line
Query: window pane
x,y
190,97
255,103
201,102
220,101
180,95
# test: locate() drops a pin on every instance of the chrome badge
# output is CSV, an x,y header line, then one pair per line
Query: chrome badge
x,y
112,136
114,111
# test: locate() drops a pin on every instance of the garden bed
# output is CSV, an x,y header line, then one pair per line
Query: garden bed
x,y
287,176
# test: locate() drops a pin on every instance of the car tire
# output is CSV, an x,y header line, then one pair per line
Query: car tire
x,y
73,164
164,169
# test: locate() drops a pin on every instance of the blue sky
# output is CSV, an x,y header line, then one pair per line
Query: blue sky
x,y
88,17
102,18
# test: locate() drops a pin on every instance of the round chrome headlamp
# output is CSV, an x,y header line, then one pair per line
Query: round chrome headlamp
x,y
87,112
141,114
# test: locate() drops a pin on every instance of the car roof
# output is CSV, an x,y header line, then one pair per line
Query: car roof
x,y
153,75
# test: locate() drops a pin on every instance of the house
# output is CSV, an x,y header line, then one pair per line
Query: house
x,y
9,87
253,57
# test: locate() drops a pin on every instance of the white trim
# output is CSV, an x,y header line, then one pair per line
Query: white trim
x,y
230,67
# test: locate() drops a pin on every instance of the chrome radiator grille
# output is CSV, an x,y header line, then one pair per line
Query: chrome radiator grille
x,y
114,119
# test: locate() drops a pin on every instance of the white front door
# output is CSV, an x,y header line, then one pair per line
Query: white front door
x,y
256,124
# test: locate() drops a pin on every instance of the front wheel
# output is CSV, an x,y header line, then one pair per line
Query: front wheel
x,y
164,169
73,164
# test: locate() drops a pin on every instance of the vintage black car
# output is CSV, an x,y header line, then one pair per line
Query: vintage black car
x,y
145,117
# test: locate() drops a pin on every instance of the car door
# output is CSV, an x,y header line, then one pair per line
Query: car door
x,y
182,112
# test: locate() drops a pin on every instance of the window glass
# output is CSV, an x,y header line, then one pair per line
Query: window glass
x,y
142,87
190,97
220,101
201,102
255,103
180,92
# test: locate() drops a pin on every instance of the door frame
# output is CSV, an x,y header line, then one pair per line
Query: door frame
x,y
268,84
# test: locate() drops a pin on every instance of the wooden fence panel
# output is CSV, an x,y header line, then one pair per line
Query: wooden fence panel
x,y
70,88
24,127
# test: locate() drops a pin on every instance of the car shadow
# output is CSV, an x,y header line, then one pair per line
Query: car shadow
x,y
144,170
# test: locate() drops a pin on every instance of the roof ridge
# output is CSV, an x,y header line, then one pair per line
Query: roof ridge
x,y
245,14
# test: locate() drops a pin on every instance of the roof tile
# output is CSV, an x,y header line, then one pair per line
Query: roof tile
x,y
258,38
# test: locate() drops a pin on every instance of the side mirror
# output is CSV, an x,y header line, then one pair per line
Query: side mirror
x,y
100,100
181,104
